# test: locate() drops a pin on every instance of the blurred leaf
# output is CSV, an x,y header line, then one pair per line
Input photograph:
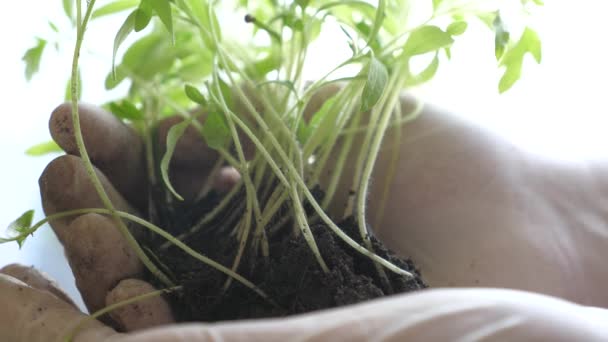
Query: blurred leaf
x,y
32,58
124,31
426,39
43,149
195,95
142,18
377,77
316,129
426,74
114,7
514,56
173,136
501,38
53,27
215,131
68,9
125,109
436,4
163,9
457,28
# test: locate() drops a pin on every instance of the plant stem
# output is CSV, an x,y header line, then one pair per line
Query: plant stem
x,y
81,28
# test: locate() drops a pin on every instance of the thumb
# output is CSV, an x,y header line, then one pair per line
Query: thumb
x,y
432,315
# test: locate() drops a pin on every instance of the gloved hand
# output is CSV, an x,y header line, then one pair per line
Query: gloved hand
x,y
470,209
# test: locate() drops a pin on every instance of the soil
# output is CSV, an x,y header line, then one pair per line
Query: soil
x,y
290,276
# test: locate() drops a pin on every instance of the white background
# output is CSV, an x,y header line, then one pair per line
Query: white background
x,y
557,110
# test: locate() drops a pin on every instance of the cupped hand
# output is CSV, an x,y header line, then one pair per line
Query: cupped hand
x,y
470,209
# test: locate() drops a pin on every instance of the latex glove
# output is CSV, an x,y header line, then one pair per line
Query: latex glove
x,y
452,205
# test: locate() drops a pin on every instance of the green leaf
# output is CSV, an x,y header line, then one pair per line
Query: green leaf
x,y
436,4
127,27
318,128
114,7
426,39
426,74
215,131
43,149
32,58
68,9
68,88
54,27
19,228
173,136
195,95
142,18
163,9
125,109
501,38
457,28
514,56
377,77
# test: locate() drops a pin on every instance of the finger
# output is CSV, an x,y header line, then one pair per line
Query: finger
x,y
114,148
99,257
37,280
435,315
226,179
28,314
65,185
142,314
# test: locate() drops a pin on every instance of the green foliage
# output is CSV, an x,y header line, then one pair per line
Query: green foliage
x,y
195,95
125,109
18,229
377,77
215,131
501,36
43,149
32,58
425,39
173,136
514,57
114,7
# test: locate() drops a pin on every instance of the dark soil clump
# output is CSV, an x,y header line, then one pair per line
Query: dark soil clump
x,y
290,276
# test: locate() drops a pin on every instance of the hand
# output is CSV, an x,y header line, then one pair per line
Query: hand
x,y
466,196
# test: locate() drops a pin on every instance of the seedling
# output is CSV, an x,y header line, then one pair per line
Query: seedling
x,y
254,93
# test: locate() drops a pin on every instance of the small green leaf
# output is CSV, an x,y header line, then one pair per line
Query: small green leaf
x,y
501,38
215,131
19,228
127,27
142,19
32,58
173,136
426,39
53,27
457,28
377,77
163,9
315,129
114,7
43,149
195,95
514,56
425,74
68,9
68,88
436,4
126,110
